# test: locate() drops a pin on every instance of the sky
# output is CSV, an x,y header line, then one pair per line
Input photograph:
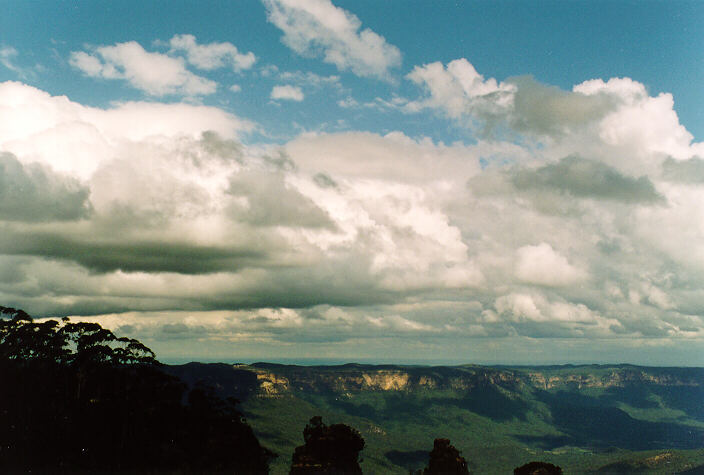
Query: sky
x,y
507,182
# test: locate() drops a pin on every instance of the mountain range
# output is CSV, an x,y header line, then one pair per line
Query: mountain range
x,y
590,418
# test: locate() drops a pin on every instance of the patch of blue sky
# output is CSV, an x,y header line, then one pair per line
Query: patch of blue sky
x,y
561,43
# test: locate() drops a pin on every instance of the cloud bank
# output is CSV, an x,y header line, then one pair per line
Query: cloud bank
x,y
574,217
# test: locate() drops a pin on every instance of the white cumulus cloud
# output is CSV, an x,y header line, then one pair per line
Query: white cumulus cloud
x,y
459,90
212,55
76,139
319,28
348,237
154,73
542,265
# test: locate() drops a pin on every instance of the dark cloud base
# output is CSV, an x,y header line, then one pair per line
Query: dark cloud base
x,y
128,256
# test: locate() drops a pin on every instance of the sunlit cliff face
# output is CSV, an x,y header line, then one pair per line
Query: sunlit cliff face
x,y
276,382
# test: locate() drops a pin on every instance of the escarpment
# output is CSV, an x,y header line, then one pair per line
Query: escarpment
x,y
279,379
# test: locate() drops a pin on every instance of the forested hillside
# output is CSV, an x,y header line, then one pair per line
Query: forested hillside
x,y
76,397
583,418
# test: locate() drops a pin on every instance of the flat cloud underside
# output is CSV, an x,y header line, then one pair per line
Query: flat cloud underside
x,y
584,178
280,297
91,293
304,288
129,256
32,193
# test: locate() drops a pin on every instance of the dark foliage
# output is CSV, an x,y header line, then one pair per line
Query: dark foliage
x,y
225,380
589,423
74,397
694,471
445,459
409,459
328,449
487,400
538,468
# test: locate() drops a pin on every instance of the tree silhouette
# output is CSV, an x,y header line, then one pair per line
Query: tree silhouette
x,y
75,397
328,449
445,459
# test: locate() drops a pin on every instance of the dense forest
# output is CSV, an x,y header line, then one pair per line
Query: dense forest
x,y
75,397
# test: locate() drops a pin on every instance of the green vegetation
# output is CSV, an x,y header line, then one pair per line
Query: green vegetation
x,y
498,418
93,400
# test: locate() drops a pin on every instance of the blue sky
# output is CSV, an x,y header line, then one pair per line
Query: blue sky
x,y
388,181
558,43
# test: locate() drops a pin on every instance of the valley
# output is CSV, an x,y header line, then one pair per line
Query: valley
x,y
591,418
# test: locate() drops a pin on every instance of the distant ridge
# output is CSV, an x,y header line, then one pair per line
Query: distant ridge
x,y
584,418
